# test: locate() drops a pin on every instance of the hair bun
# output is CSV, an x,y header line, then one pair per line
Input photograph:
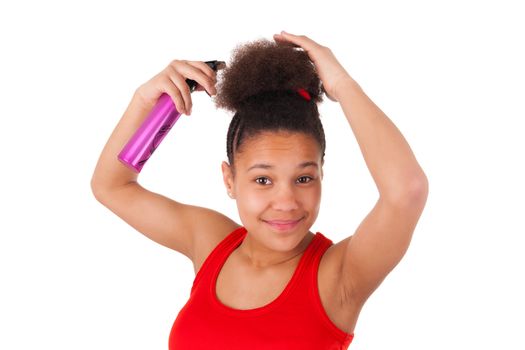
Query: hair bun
x,y
263,66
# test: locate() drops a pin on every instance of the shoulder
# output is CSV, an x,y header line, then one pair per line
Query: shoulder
x,y
213,233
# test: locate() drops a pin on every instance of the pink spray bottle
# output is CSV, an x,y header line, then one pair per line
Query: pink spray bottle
x,y
155,127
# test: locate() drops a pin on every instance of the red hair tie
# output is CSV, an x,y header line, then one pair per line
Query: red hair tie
x,y
304,93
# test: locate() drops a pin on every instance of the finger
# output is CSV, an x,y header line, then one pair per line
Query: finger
x,y
205,68
183,88
302,40
202,74
282,40
202,88
176,96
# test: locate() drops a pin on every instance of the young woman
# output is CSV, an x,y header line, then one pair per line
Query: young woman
x,y
271,283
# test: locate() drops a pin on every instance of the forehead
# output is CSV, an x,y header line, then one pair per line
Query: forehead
x,y
276,147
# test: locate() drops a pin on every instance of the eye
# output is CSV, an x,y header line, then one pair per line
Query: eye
x,y
306,177
261,178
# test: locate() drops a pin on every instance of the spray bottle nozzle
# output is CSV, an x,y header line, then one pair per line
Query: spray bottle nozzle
x,y
215,65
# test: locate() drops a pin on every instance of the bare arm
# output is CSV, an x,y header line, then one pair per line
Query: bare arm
x,y
384,235
387,154
110,172
163,220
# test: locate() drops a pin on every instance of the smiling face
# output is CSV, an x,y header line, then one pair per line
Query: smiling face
x,y
277,178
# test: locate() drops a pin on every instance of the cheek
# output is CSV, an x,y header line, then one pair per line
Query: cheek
x,y
251,203
313,197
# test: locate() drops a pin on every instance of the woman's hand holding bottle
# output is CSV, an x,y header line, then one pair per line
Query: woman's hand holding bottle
x,y
172,81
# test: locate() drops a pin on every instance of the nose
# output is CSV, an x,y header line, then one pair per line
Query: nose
x,y
284,199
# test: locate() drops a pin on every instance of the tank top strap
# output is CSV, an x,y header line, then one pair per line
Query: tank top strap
x,y
307,278
218,254
305,294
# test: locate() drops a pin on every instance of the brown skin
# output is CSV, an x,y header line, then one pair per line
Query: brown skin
x,y
282,193
351,269
384,235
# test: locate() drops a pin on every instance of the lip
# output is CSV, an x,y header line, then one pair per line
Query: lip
x,y
283,225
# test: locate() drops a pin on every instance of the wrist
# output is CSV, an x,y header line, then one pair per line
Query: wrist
x,y
139,101
344,86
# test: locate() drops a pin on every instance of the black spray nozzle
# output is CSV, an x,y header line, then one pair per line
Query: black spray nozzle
x,y
215,65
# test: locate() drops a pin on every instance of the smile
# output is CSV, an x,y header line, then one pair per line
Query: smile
x,y
283,225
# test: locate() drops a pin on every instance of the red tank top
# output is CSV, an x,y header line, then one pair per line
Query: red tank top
x,y
294,320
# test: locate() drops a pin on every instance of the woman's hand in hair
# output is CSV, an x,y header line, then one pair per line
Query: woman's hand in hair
x,y
331,72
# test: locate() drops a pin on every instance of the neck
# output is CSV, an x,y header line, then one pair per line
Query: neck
x,y
260,256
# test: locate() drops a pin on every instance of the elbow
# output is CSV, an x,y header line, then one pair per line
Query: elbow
x,y
96,190
418,191
414,193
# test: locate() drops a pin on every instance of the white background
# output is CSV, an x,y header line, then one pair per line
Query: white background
x,y
449,74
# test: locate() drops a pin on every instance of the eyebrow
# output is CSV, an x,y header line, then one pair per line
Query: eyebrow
x,y
268,166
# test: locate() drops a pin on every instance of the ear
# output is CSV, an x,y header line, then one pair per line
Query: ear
x,y
227,176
